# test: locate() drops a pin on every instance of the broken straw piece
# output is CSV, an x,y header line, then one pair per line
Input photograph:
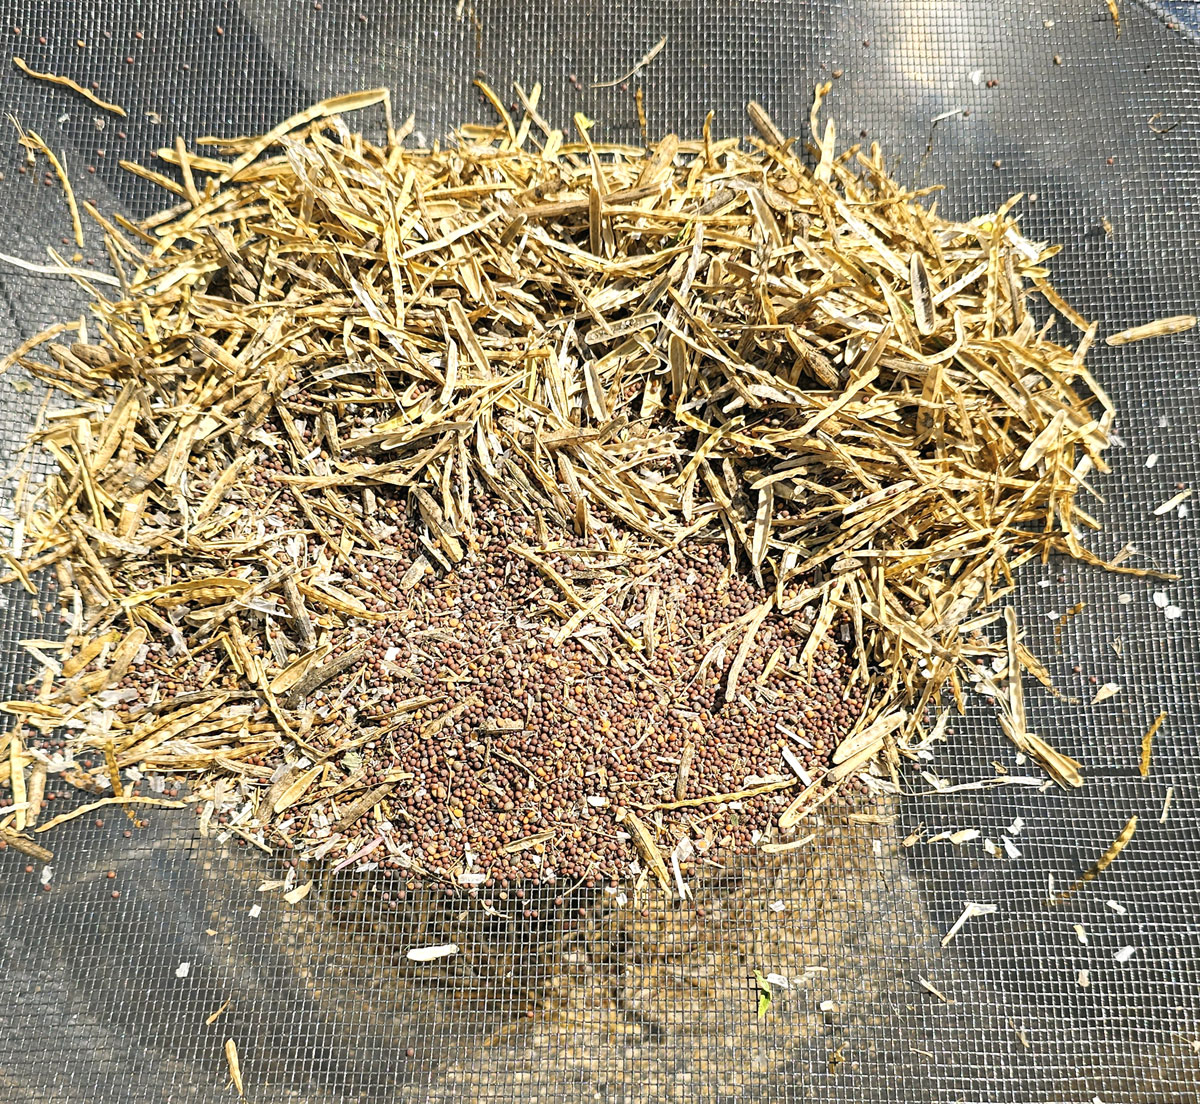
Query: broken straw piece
x,y
971,910
431,954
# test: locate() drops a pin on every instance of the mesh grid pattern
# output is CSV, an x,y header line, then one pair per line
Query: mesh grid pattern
x,y
591,1000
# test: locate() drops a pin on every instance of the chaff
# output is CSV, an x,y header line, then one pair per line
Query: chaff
x,y
642,347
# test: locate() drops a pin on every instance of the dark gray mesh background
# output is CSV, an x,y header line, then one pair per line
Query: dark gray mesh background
x,y
591,1001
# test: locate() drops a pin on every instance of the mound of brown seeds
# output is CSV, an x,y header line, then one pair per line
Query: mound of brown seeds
x,y
486,511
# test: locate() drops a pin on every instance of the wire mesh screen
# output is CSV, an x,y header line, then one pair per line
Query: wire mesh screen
x,y
125,987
